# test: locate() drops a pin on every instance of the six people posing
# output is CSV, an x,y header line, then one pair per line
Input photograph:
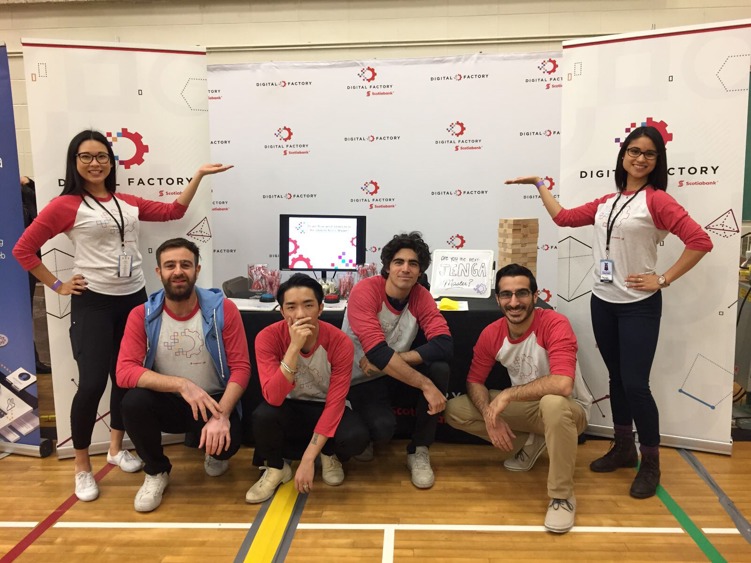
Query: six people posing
x,y
183,362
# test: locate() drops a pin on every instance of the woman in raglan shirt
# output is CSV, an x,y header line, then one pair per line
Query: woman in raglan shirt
x,y
626,302
107,282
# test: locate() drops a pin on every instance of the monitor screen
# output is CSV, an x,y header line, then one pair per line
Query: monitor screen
x,y
321,242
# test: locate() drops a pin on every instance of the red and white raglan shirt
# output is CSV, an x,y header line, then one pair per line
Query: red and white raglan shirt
x,y
373,323
645,221
96,237
547,347
323,373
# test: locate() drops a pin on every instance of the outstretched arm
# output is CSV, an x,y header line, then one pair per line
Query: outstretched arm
x,y
190,190
551,204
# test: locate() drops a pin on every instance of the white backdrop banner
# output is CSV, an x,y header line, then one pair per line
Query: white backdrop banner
x,y
692,85
417,144
152,105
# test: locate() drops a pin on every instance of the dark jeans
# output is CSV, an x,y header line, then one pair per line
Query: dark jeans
x,y
626,334
97,323
285,431
148,413
370,400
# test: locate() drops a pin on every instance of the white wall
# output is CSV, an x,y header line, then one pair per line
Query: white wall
x,y
259,30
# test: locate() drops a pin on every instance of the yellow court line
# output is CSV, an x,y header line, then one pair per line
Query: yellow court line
x,y
274,524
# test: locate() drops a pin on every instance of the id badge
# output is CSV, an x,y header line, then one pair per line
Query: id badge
x,y
125,266
606,271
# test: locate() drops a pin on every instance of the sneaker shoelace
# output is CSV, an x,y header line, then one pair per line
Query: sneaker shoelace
x,y
557,503
521,455
85,480
422,461
151,485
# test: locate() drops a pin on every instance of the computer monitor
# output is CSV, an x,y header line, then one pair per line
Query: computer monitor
x,y
321,242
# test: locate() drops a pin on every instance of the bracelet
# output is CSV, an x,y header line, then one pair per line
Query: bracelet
x,y
540,184
55,285
289,369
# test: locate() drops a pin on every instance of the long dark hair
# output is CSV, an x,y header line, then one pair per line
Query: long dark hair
x,y
658,178
73,181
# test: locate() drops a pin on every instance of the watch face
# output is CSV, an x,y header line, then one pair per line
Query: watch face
x,y
661,280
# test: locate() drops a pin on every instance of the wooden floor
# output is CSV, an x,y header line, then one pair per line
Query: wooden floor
x,y
476,512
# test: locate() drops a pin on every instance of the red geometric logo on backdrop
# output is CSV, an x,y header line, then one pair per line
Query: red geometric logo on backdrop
x,y
548,66
140,147
283,134
456,241
371,187
661,126
456,129
368,74
549,183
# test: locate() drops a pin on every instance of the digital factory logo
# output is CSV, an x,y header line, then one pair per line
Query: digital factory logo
x,y
368,74
541,133
546,295
549,184
457,131
661,126
139,150
372,138
370,83
551,78
458,77
284,135
371,188
548,66
284,83
456,241
458,192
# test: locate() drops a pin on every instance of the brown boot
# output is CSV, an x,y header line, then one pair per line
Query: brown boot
x,y
648,478
622,453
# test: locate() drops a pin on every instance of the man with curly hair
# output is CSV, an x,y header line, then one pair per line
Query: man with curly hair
x,y
383,316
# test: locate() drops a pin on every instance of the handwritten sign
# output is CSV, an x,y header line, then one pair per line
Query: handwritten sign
x,y
462,273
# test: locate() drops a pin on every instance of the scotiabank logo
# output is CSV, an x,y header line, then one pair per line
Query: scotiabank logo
x,y
456,241
137,150
661,126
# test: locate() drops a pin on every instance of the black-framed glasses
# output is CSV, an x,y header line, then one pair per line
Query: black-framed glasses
x,y
636,152
88,158
520,294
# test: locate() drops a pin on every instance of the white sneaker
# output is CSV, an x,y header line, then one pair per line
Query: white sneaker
x,y
419,464
265,487
367,454
86,487
149,496
125,461
561,515
525,458
331,470
215,467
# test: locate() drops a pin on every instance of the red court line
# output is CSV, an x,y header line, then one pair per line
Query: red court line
x,y
50,521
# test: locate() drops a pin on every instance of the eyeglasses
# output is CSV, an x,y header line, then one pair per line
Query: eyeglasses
x,y
635,152
87,158
519,293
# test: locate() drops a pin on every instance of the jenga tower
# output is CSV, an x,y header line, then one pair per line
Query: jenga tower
x,y
517,243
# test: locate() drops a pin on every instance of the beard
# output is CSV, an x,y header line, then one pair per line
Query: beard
x,y
520,308
182,293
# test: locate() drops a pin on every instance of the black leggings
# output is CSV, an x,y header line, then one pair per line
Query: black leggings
x,y
626,334
97,323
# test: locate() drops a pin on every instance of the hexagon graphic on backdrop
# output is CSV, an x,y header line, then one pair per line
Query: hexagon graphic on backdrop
x,y
194,94
575,261
59,263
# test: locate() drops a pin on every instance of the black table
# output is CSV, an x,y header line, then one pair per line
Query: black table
x,y
465,327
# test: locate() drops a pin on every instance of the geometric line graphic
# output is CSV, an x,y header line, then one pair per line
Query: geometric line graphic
x,y
202,231
701,382
734,69
59,263
575,260
725,225
194,94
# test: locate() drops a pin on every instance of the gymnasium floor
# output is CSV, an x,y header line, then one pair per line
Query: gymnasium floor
x,y
476,512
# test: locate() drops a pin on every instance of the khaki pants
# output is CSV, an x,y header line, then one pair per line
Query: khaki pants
x,y
559,419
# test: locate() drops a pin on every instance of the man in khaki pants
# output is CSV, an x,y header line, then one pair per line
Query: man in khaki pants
x,y
538,348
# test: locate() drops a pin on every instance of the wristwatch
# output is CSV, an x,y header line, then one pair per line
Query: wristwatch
x,y
662,282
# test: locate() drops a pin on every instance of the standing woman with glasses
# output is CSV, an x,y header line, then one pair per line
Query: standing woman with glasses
x,y
626,302
107,282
